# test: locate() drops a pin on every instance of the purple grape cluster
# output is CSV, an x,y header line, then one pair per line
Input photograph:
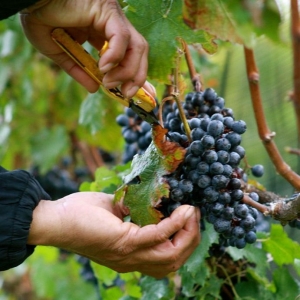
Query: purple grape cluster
x,y
136,133
210,176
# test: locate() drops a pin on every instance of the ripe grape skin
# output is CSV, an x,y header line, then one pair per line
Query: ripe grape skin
x,y
239,126
219,182
221,225
197,134
238,232
216,168
241,210
204,181
203,167
257,170
222,144
234,138
210,156
215,128
223,157
207,141
250,237
122,120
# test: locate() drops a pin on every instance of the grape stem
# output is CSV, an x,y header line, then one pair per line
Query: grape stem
x,y
295,32
183,118
265,134
195,77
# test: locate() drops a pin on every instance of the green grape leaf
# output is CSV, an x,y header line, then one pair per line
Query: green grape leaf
x,y
286,286
155,289
233,20
252,254
161,23
209,236
145,186
280,246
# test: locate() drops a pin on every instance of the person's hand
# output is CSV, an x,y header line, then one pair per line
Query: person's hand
x,y
89,224
125,62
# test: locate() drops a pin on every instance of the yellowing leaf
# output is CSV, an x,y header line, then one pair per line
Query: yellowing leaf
x,y
145,186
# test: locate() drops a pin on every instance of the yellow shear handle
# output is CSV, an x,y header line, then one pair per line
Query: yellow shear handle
x,y
142,98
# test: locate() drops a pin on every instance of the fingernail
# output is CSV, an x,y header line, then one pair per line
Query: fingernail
x,y
189,211
132,91
107,68
110,85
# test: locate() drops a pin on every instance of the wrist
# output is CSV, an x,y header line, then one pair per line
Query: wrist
x,y
45,228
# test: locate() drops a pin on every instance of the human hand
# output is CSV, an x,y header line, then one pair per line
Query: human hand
x,y
90,224
124,62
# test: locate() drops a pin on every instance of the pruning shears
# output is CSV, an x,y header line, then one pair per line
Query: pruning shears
x,y
142,103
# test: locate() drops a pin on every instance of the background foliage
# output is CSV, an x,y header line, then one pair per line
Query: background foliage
x,y
42,111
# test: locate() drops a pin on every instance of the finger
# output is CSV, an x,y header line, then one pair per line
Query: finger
x,y
71,68
152,235
150,88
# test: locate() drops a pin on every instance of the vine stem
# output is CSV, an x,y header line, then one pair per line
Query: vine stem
x,y
264,133
295,32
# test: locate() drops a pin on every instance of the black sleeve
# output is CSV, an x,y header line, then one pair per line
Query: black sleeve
x,y
20,193
11,7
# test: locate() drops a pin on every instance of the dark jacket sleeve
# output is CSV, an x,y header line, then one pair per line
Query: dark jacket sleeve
x,y
20,193
11,7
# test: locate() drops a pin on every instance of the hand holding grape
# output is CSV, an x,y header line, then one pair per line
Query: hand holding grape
x,y
89,224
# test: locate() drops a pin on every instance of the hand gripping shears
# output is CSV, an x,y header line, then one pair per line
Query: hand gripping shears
x,y
142,103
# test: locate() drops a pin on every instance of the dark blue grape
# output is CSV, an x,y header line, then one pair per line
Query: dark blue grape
x,y
239,150
234,183
204,181
203,167
193,176
217,209
241,210
228,212
224,198
173,183
239,126
228,121
204,123
220,102
130,113
175,124
207,141
210,194
216,168
189,96
145,127
248,223
197,134
197,99
234,138
122,120
218,117
192,160
227,170
177,194
250,237
223,157
221,225
219,182
222,144
209,95
238,232
186,185
130,136
234,159
194,123
237,195
210,156
257,170
240,243
196,148
215,128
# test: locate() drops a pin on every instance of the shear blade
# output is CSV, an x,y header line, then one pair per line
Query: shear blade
x,y
149,117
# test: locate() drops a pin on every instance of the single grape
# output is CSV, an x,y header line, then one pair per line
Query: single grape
x,y
257,170
215,128
239,126
250,237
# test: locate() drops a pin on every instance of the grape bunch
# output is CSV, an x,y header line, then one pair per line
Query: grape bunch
x,y
136,133
210,176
